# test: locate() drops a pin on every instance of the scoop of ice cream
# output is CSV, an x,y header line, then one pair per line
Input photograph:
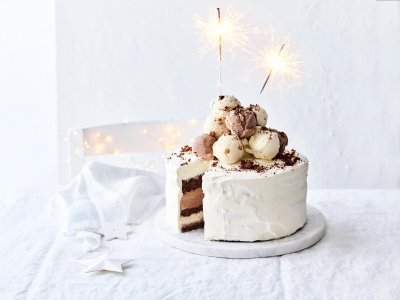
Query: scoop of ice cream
x,y
223,104
203,145
283,141
228,149
241,122
216,125
267,143
261,114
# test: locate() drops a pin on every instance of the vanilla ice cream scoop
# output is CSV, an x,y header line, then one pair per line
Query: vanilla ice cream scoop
x,y
261,114
215,125
228,149
241,122
223,104
267,143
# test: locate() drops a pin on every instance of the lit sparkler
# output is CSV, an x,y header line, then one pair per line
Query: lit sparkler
x,y
282,64
270,72
220,51
228,31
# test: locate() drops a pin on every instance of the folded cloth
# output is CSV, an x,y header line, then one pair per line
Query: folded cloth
x,y
103,194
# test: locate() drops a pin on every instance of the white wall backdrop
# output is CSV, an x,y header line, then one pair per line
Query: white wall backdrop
x,y
140,60
28,139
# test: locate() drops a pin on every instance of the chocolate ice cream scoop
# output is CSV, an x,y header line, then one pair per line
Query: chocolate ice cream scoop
x,y
202,146
242,122
283,141
261,114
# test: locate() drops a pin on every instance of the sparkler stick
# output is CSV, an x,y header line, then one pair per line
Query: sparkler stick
x,y
220,51
231,30
270,72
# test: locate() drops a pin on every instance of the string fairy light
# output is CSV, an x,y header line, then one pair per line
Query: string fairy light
x,y
96,143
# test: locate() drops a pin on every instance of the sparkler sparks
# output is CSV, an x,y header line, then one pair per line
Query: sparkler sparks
x,y
275,64
230,27
229,31
282,65
219,36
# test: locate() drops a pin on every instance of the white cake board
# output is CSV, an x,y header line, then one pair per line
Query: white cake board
x,y
193,241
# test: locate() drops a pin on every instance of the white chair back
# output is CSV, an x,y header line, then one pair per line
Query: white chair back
x,y
140,145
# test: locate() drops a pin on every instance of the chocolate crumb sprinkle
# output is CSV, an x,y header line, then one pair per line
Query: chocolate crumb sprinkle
x,y
186,148
288,158
251,165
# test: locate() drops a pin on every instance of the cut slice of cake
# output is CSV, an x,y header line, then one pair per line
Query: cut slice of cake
x,y
184,195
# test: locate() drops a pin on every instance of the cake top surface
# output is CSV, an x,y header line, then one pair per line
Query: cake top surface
x,y
288,160
182,157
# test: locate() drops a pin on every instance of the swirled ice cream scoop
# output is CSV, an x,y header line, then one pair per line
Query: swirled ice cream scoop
x,y
203,146
223,104
241,122
228,149
216,125
261,114
267,143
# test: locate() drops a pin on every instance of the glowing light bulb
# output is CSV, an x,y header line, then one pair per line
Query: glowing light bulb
x,y
109,139
170,128
193,121
98,148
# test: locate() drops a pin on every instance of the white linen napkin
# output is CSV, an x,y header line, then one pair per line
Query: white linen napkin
x,y
103,193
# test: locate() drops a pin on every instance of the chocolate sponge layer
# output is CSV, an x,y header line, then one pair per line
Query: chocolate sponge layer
x,y
192,183
193,226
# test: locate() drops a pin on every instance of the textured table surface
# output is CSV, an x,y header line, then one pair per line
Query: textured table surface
x,y
359,258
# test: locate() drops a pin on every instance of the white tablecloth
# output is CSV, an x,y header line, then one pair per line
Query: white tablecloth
x,y
359,258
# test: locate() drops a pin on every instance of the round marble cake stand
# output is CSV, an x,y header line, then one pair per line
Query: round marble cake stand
x,y
193,241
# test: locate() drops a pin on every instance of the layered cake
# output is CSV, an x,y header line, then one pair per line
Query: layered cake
x,y
184,194
237,180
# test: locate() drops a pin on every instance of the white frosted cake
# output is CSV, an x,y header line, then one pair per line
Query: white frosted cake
x,y
243,204
237,181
